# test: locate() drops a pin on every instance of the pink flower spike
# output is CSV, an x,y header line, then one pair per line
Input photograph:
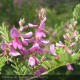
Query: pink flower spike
x,y
32,26
53,50
13,52
27,35
70,68
73,44
31,61
74,34
14,32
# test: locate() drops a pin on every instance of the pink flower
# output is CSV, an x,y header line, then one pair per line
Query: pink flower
x,y
69,51
74,34
33,61
17,43
27,35
36,48
73,44
60,44
70,68
15,34
53,51
23,51
13,52
32,26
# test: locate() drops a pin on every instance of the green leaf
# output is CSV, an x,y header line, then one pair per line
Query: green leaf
x,y
65,57
75,56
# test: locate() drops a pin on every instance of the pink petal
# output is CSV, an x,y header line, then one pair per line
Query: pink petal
x,y
70,68
31,61
15,45
14,32
42,25
32,26
13,52
74,34
60,44
23,51
74,43
27,35
45,41
19,44
52,49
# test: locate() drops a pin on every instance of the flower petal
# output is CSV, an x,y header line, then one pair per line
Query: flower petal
x,y
14,32
42,25
52,49
32,26
31,61
27,35
13,52
70,68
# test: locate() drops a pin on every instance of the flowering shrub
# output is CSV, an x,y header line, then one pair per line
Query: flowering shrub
x,y
27,53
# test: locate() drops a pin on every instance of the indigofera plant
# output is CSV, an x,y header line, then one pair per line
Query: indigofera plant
x,y
27,52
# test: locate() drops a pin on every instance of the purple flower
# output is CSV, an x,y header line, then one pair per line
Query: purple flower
x,y
25,42
17,43
74,43
60,44
33,61
74,34
27,35
32,26
13,52
69,51
53,50
70,68
23,51
67,36
14,33
36,48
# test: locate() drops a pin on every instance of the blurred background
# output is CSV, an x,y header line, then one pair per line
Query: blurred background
x,y
57,12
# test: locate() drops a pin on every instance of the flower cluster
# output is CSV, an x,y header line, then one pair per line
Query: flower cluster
x,y
69,43
19,42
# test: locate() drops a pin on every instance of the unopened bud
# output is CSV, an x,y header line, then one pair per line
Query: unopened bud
x,y
21,22
42,14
